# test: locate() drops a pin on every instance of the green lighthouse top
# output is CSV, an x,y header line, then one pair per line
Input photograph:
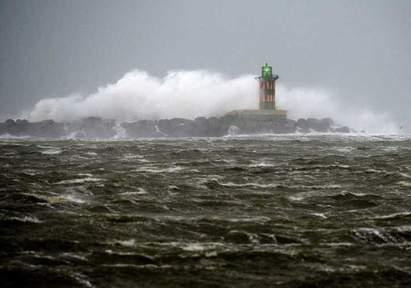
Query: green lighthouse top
x,y
267,71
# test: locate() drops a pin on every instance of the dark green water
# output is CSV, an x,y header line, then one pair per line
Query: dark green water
x,y
283,211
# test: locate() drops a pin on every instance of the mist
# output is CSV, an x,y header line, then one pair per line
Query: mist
x,y
189,94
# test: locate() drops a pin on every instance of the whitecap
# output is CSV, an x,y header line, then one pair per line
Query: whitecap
x,y
30,172
80,180
140,191
26,219
82,280
297,197
347,149
197,246
160,170
133,156
338,244
404,183
256,219
71,198
250,184
85,174
363,233
393,215
126,243
194,247
65,198
405,175
72,255
261,164
51,151
321,215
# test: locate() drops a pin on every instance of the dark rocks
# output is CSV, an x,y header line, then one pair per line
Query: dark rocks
x,y
343,129
318,125
257,126
177,127
142,129
91,128
97,128
47,128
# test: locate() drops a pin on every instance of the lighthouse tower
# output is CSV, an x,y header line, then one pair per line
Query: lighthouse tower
x,y
267,88
268,111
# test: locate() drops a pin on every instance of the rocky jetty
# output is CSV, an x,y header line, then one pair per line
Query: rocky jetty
x,y
97,128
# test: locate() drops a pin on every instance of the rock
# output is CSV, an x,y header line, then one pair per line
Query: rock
x,y
177,127
47,129
142,129
18,127
343,129
3,129
10,122
319,125
290,126
302,125
92,128
329,121
97,128
201,127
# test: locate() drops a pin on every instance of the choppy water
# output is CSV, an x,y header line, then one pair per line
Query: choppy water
x,y
274,211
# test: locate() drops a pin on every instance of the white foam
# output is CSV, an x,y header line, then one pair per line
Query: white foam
x,y
303,195
137,95
159,170
73,256
404,183
80,180
82,279
73,199
347,149
51,151
194,247
189,94
261,164
126,243
321,215
65,198
140,191
249,184
393,215
121,133
363,232
27,219
298,197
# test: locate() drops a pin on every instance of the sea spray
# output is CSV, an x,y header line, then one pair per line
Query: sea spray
x,y
189,94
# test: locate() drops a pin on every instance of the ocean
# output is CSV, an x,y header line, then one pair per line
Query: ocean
x,y
244,211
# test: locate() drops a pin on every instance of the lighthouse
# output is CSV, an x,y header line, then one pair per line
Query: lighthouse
x,y
267,108
267,88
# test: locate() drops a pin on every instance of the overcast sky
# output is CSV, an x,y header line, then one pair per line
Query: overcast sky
x,y
360,50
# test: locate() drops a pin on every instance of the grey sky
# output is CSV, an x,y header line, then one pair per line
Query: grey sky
x,y
360,50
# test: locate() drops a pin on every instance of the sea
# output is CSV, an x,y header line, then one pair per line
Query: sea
x,y
321,210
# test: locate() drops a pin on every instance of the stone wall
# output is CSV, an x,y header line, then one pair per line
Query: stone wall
x,y
97,128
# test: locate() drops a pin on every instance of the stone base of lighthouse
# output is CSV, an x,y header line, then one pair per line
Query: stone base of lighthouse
x,y
259,121
259,115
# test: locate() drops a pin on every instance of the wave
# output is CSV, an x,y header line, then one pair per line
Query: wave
x,y
189,94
